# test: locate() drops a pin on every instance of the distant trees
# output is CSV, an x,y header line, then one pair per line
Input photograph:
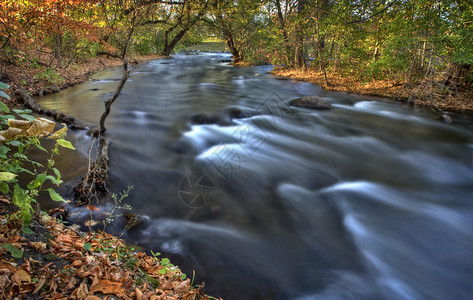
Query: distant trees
x,y
238,23
59,28
403,41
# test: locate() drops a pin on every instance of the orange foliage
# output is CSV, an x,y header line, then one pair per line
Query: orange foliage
x,y
28,22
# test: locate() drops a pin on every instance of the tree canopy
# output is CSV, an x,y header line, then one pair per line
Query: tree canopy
x,y
399,40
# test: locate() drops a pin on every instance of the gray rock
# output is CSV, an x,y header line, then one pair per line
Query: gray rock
x,y
446,119
313,102
55,88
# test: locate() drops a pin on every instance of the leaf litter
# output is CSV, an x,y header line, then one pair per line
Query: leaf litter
x,y
58,262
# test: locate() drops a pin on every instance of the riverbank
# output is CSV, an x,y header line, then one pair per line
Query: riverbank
x,y
39,79
420,95
50,260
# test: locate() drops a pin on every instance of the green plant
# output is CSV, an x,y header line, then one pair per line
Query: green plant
x,y
118,199
14,251
15,143
50,75
4,86
167,265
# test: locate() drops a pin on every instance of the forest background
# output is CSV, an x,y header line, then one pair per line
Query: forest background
x,y
418,51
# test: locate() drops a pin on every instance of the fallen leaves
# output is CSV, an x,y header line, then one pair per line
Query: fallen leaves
x,y
73,265
421,94
107,287
21,276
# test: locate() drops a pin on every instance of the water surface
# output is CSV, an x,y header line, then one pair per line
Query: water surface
x,y
369,200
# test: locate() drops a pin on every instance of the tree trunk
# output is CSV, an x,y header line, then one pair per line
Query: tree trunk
x,y
320,46
299,54
284,31
130,34
168,47
235,53
299,61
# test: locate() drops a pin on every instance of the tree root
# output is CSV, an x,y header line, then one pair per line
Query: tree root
x,y
94,183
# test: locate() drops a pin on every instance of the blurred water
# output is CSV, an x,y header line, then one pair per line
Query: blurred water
x,y
369,200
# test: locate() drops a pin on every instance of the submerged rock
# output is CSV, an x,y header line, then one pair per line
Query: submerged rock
x,y
446,119
223,117
313,102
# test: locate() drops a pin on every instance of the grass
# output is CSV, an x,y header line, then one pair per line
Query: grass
x,y
210,44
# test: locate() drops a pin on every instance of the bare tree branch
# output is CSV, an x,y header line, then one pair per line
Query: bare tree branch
x,y
110,101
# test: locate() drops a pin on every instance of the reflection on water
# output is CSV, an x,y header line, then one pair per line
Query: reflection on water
x,y
369,200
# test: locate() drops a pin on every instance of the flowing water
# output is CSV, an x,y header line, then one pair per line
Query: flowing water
x,y
368,200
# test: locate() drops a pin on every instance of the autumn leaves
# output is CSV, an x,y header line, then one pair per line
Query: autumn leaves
x,y
68,265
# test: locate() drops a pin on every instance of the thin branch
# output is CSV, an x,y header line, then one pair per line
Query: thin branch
x,y
110,101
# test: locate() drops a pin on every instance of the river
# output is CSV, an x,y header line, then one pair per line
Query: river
x,y
368,200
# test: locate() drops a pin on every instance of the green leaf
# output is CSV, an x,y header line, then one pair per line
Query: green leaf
x,y
3,151
2,94
58,174
4,187
15,143
4,86
164,261
55,196
25,170
65,144
14,251
87,246
20,198
23,111
162,271
7,176
26,230
4,107
183,277
52,179
41,148
8,117
27,117
38,181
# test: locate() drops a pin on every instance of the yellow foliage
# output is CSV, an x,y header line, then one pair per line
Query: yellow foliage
x,y
38,128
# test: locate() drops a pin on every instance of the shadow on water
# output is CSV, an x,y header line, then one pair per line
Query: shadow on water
x,y
368,200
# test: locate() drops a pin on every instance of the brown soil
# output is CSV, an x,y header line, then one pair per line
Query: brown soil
x,y
420,95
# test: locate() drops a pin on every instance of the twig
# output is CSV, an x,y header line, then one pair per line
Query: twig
x,y
110,101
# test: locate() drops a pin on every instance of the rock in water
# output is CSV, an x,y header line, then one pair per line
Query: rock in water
x,y
132,220
446,119
55,88
313,102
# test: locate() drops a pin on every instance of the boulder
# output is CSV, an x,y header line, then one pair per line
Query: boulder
x,y
201,119
446,119
55,89
313,102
